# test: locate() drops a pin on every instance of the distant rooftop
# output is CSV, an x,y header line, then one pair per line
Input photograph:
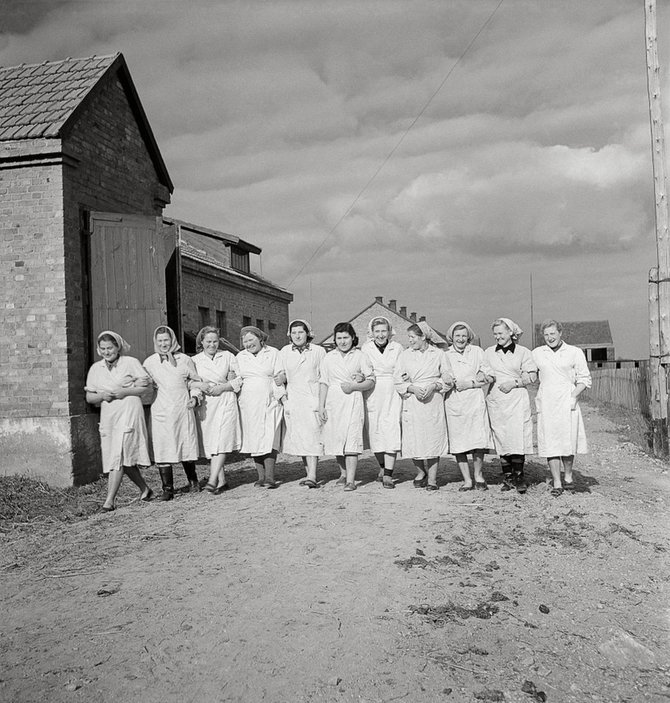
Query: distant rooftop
x,y
590,333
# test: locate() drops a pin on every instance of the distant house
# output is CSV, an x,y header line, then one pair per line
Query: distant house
x,y
398,316
218,288
593,337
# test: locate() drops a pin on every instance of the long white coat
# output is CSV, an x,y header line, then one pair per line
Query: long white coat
x,y
301,406
383,405
343,431
173,430
560,430
424,424
123,433
259,400
218,416
467,418
509,413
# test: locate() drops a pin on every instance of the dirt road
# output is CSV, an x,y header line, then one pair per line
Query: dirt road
x,y
318,595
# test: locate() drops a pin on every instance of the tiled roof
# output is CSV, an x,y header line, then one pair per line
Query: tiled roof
x,y
584,334
36,100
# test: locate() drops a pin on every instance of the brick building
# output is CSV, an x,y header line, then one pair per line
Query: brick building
x,y
398,316
78,163
218,287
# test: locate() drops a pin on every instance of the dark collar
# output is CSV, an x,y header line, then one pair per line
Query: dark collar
x,y
509,348
300,350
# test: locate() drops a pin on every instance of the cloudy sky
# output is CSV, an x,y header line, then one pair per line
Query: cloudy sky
x,y
532,157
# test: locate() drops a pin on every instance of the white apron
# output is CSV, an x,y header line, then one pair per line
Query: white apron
x,y
467,419
301,407
343,431
383,405
260,409
509,413
173,430
218,416
123,433
560,430
424,425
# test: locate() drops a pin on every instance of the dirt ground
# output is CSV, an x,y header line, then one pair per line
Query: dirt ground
x,y
319,595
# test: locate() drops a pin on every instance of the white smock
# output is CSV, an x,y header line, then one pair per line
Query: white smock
x,y
560,430
301,405
123,433
424,424
218,416
174,435
259,401
467,418
343,431
383,405
509,413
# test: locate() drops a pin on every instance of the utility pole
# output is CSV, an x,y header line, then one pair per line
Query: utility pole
x,y
659,279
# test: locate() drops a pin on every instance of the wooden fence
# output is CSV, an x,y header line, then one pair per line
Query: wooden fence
x,y
627,386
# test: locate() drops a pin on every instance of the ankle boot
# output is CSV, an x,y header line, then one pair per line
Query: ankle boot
x,y
165,471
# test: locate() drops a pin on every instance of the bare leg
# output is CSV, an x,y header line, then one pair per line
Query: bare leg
x,y
134,474
379,456
114,479
311,464
568,462
462,461
555,465
343,470
478,462
351,463
216,475
260,469
389,465
431,465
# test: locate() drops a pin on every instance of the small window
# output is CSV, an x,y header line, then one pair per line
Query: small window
x,y
271,326
204,316
260,324
221,322
246,321
239,259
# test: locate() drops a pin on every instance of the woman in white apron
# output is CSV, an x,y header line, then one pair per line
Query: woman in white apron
x,y
512,368
301,360
563,374
383,405
173,430
218,415
421,376
116,383
259,401
345,374
467,419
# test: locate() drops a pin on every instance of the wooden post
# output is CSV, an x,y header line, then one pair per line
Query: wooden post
x,y
658,399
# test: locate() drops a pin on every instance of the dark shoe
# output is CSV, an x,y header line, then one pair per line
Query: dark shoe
x,y
148,497
203,482
420,482
462,489
191,486
209,488
309,483
387,482
431,487
167,494
556,492
259,483
271,484
508,483
569,486
350,486
221,489
105,509
481,486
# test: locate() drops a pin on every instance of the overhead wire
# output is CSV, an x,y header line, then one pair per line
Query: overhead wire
x,y
396,146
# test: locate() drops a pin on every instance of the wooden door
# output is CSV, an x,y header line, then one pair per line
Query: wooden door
x,y
129,255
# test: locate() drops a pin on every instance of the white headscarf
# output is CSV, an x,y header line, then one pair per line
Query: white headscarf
x,y
308,327
377,320
460,323
121,343
513,327
428,331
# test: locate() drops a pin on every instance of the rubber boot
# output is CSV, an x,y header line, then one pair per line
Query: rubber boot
x,y
507,474
519,478
165,471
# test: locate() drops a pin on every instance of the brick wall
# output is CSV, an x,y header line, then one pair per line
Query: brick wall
x,y
204,286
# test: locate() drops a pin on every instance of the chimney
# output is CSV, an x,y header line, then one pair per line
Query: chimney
x,y
403,311
392,304
379,299
412,316
422,318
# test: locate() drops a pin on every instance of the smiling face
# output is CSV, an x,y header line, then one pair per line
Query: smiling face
x,y
251,343
502,334
416,341
210,344
344,341
109,351
163,342
552,337
299,335
460,338
380,333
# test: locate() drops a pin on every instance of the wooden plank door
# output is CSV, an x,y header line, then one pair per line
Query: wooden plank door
x,y
129,255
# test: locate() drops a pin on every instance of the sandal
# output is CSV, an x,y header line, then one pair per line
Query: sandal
x,y
462,489
569,486
148,497
209,487
350,486
105,509
555,492
341,481
309,483
387,482
481,486
220,489
420,482
432,487
259,483
271,484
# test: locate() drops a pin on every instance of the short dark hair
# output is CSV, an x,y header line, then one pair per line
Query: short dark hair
x,y
348,328
303,324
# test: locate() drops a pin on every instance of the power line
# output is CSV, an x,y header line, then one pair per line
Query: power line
x,y
397,144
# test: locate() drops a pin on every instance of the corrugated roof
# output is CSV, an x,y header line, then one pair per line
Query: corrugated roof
x,y
588,333
36,100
